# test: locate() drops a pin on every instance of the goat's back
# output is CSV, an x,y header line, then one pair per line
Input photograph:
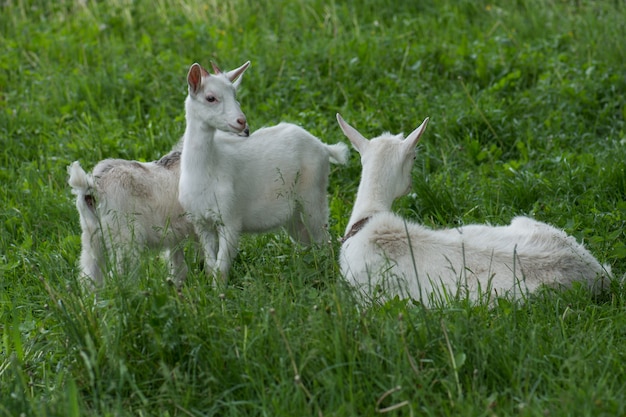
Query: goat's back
x,y
145,194
137,184
274,172
419,261
275,145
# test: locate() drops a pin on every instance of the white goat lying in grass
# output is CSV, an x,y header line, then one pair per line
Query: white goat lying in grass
x,y
276,177
381,251
126,207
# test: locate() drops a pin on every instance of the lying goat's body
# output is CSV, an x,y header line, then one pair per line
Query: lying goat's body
x,y
383,251
408,259
277,177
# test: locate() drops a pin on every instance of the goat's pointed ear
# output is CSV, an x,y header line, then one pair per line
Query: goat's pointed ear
x,y
194,77
237,82
358,140
232,75
414,137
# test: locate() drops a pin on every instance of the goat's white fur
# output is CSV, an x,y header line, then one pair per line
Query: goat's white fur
x,y
276,177
126,207
404,258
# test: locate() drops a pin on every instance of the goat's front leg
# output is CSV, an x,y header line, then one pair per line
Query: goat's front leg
x,y
207,235
228,244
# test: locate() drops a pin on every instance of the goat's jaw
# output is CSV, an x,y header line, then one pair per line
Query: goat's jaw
x,y
245,132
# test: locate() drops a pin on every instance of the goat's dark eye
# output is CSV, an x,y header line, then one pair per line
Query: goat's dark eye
x,y
211,99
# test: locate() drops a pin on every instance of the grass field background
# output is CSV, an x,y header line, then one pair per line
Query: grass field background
x,y
527,107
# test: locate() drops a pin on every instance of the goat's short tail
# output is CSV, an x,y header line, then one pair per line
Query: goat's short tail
x,y
80,182
339,153
83,186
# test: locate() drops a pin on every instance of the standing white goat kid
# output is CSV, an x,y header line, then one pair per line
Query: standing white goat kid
x,y
381,251
126,207
276,177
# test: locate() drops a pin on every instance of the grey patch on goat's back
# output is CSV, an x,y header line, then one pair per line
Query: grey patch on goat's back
x,y
170,160
115,175
139,165
104,167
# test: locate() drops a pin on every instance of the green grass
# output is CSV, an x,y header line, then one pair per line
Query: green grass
x,y
526,100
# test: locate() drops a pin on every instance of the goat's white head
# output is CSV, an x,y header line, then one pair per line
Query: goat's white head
x,y
387,159
212,97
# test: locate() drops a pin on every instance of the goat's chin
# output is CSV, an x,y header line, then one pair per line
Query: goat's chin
x,y
244,133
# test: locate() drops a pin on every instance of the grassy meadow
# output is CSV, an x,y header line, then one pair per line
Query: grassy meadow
x,y
527,107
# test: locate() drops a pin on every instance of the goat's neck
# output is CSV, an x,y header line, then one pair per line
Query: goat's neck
x,y
371,198
199,145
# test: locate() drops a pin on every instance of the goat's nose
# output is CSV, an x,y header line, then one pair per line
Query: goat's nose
x,y
242,121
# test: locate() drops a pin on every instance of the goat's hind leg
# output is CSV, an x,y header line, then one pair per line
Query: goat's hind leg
x,y
178,267
92,260
310,223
